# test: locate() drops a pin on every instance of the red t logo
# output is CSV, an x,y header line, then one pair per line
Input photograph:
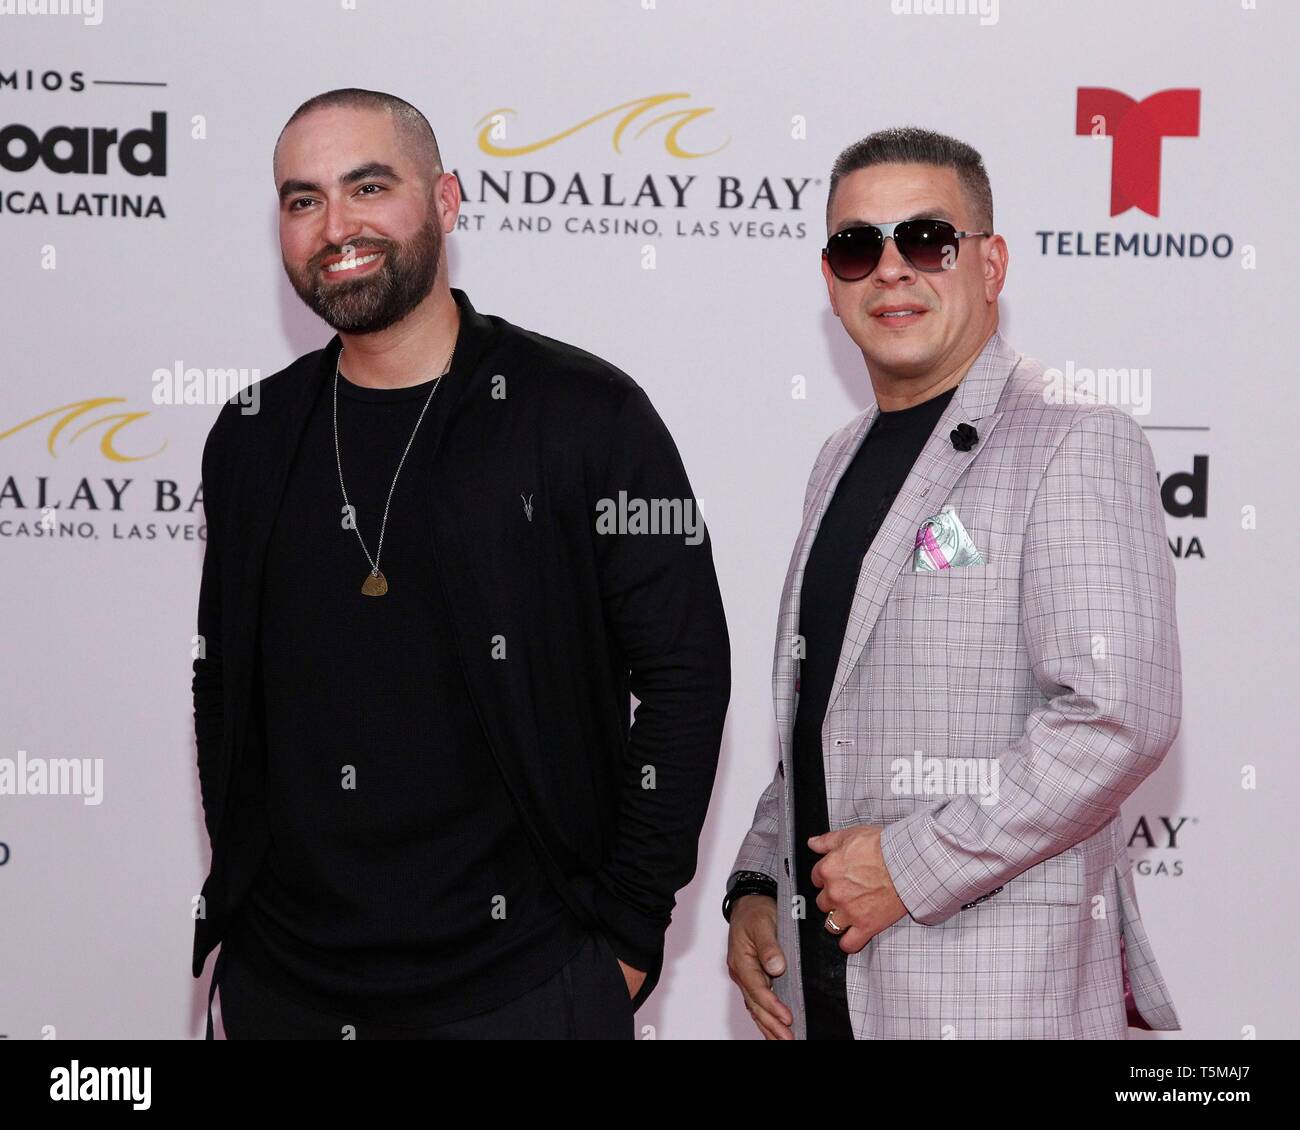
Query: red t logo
x,y
1136,129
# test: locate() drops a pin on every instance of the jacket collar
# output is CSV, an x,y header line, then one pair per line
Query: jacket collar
x,y
981,388
476,333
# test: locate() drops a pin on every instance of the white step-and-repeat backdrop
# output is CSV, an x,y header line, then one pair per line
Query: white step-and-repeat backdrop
x,y
139,221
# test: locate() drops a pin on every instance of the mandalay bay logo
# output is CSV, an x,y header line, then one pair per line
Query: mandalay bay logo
x,y
86,507
493,132
684,195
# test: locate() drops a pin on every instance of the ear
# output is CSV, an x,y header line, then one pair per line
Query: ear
x,y
829,276
996,257
446,195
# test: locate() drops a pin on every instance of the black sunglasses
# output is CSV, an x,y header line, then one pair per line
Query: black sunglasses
x,y
928,245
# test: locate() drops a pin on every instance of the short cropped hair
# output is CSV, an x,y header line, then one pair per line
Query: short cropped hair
x,y
911,145
413,130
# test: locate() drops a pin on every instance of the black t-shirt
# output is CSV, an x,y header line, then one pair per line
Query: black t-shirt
x,y
399,885
859,507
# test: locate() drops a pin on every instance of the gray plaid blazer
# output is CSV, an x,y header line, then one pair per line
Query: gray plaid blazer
x,y
1058,658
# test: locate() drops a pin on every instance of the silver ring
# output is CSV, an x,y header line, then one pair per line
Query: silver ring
x,y
831,924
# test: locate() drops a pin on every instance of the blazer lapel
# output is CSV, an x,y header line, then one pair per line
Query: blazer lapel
x,y
931,480
784,667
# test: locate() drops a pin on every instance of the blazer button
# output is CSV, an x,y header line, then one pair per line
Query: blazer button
x,y
787,868
780,768
968,905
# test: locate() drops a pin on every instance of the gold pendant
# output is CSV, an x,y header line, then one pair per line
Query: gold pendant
x,y
376,584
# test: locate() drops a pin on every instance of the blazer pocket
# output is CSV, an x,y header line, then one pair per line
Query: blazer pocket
x,y
959,578
1057,881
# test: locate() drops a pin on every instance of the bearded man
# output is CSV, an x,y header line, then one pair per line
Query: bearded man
x,y
431,814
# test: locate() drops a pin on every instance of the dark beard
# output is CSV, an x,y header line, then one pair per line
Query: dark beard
x,y
368,305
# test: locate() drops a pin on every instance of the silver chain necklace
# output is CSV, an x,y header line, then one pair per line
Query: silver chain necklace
x,y
376,584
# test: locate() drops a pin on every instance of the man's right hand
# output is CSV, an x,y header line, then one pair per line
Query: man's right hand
x,y
753,959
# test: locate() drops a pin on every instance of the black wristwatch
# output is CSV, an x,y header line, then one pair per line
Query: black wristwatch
x,y
747,883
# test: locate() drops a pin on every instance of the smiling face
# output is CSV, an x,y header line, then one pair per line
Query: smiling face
x,y
361,221
949,314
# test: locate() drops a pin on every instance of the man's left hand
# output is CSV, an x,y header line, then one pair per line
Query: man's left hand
x,y
855,883
634,978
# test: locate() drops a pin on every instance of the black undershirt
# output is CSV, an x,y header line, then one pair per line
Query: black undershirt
x,y
383,900
859,507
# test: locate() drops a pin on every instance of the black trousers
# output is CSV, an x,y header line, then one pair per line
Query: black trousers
x,y
587,999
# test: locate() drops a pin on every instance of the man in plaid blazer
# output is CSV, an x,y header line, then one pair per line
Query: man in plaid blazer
x,y
1035,649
